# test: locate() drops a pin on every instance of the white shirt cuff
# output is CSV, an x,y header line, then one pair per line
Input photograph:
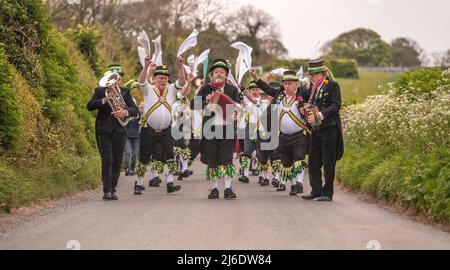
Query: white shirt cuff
x,y
177,85
143,84
179,95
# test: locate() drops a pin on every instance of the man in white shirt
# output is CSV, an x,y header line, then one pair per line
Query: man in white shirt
x,y
156,121
248,123
294,131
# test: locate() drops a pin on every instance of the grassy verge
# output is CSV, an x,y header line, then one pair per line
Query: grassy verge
x,y
369,83
397,146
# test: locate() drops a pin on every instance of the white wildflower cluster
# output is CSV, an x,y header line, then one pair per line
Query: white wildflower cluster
x,y
399,122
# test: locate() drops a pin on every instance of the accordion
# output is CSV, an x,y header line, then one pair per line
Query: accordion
x,y
226,105
312,110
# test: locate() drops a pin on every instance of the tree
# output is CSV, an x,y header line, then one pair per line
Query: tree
x,y
363,45
441,59
259,30
406,52
174,20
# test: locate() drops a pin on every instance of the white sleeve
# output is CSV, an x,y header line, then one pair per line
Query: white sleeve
x,y
177,85
145,87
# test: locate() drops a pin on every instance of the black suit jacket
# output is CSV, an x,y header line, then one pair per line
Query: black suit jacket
x,y
329,103
105,121
207,89
278,94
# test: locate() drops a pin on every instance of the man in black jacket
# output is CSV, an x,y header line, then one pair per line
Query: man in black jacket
x,y
326,141
216,146
110,134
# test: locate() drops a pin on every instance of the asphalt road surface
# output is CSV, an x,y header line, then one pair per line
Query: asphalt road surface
x,y
259,219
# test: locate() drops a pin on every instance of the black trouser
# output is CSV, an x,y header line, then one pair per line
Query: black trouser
x,y
323,153
194,146
293,148
156,145
265,155
218,152
111,146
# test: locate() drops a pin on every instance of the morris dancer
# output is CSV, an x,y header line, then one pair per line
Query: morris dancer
x,y
156,122
294,133
217,146
249,124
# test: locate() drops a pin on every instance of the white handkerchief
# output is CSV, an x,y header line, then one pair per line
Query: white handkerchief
x,y
188,69
232,80
314,50
278,71
244,61
144,41
157,56
300,73
189,43
203,56
192,63
246,50
142,55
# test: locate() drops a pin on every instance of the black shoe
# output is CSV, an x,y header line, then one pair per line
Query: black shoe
x,y
171,188
260,180
107,196
137,191
244,179
282,187
309,197
158,180
229,194
154,182
188,173
265,183
141,188
293,191
214,194
299,187
127,172
275,183
180,177
255,172
151,183
114,197
324,198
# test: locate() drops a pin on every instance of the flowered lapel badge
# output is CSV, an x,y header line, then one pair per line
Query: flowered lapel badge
x,y
325,83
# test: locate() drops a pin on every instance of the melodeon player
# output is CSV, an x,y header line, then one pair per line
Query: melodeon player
x,y
216,144
326,140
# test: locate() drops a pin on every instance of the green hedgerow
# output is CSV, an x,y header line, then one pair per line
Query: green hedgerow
x,y
10,115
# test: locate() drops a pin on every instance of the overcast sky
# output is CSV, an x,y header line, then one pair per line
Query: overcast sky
x,y
426,21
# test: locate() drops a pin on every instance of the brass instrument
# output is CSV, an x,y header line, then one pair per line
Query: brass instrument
x,y
116,102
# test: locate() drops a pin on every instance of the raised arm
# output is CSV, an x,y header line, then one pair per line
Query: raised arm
x,y
181,72
271,91
186,89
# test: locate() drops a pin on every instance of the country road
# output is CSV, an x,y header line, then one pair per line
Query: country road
x,y
260,219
